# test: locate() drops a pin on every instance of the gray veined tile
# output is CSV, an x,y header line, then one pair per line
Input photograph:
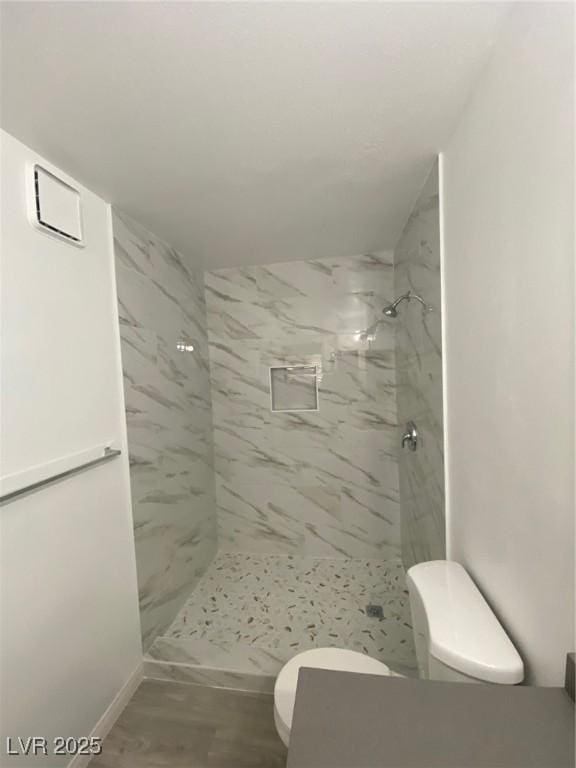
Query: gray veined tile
x,y
375,414
169,423
257,462
367,538
306,349
362,459
255,518
362,372
231,285
217,654
241,416
369,272
237,378
144,304
419,389
242,323
140,346
311,311
357,312
369,508
301,279
299,319
209,676
140,250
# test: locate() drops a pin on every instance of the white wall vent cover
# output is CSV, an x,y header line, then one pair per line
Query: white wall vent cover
x,y
55,207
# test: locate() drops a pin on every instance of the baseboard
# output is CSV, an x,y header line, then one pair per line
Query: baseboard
x,y
104,725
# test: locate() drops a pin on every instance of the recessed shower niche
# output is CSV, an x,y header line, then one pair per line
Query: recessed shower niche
x,y
294,388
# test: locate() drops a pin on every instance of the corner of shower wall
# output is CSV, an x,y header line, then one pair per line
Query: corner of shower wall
x,y
419,379
164,347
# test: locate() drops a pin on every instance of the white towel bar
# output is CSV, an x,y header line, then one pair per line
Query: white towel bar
x,y
109,453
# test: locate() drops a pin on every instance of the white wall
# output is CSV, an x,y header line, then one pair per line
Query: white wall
x,y
509,334
70,636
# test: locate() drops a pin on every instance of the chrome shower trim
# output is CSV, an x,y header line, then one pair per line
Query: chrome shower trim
x,y
391,309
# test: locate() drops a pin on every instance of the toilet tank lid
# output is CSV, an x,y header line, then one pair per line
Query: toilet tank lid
x,y
463,631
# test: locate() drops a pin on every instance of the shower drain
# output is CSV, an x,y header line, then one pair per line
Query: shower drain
x,y
374,611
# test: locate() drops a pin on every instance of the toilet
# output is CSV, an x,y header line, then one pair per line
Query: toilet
x,y
320,658
457,637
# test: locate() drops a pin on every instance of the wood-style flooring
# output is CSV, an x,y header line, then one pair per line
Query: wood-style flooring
x,y
178,725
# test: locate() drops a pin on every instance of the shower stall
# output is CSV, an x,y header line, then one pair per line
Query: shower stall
x,y
274,508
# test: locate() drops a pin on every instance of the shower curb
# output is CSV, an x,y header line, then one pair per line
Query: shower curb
x,y
208,676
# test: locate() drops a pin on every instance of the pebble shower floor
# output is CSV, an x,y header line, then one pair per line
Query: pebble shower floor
x,y
251,613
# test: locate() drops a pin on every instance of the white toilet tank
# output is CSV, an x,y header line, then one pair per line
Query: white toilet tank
x,y
457,635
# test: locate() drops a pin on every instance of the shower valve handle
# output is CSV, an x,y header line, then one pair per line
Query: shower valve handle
x,y
410,436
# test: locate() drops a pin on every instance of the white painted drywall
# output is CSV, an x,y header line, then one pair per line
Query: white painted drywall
x,y
509,335
70,637
246,133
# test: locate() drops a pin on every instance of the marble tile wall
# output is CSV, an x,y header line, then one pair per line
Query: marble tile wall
x,y
169,420
419,380
322,483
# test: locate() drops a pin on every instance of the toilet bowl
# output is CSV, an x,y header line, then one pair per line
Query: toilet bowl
x,y
319,658
457,637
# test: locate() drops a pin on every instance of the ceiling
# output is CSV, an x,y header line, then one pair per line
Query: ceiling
x,y
246,133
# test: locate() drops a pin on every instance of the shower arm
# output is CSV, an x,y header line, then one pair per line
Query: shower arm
x,y
390,311
408,296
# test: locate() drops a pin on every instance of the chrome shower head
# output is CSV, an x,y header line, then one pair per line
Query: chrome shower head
x,y
391,309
